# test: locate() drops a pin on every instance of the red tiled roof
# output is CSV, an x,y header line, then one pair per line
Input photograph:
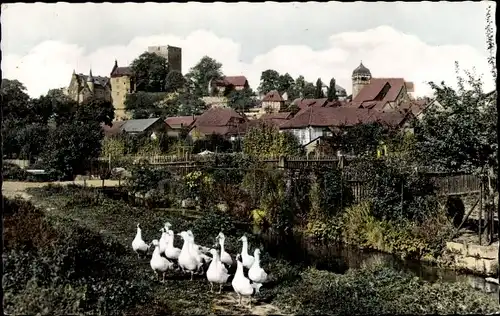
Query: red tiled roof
x,y
121,71
273,96
178,121
217,117
370,92
237,81
306,103
276,116
326,117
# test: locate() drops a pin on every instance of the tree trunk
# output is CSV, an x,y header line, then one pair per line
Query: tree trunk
x,y
489,205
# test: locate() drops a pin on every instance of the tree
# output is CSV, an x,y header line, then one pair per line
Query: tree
x,y
200,75
332,92
285,84
145,104
265,140
269,80
32,139
14,100
318,93
94,109
70,146
175,81
241,100
150,72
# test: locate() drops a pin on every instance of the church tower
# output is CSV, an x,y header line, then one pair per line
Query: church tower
x,y
90,82
361,77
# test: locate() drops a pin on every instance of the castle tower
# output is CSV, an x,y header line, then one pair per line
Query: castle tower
x,y
90,81
361,77
172,54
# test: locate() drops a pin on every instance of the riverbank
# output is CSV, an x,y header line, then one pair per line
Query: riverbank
x,y
373,289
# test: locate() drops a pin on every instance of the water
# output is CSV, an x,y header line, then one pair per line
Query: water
x,y
340,258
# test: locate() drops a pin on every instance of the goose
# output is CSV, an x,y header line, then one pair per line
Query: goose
x,y
171,252
241,284
187,260
247,259
216,272
163,240
256,273
139,246
159,263
224,256
199,249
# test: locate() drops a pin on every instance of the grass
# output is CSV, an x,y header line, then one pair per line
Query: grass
x,y
292,289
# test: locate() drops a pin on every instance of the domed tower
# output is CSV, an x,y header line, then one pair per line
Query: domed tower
x,y
90,81
361,77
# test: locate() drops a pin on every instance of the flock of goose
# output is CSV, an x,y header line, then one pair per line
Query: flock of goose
x,y
193,259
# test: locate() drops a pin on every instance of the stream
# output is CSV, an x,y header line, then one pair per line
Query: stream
x,y
340,258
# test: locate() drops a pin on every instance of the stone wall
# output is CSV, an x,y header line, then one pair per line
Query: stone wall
x,y
474,258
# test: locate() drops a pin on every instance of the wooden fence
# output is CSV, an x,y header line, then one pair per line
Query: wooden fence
x,y
458,183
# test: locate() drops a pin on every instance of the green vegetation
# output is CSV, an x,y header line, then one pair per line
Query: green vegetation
x,y
75,258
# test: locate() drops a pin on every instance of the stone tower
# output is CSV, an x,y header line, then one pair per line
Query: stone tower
x,y
361,77
122,84
172,54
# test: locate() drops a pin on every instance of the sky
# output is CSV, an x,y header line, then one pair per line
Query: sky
x,y
418,41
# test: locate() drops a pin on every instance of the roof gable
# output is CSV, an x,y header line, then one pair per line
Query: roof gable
x,y
180,120
376,87
217,117
237,81
273,96
140,125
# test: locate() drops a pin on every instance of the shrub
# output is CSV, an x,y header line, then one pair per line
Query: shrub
x,y
13,172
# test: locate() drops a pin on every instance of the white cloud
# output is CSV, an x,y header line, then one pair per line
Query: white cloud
x,y
384,50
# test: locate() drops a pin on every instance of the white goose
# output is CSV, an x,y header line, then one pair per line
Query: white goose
x,y
246,258
241,284
163,240
171,252
199,250
159,263
224,256
188,261
256,273
216,272
139,246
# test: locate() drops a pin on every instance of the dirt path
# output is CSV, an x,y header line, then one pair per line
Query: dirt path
x,y
17,188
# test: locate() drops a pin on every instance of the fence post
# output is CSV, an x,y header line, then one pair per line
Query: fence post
x,y
480,214
282,162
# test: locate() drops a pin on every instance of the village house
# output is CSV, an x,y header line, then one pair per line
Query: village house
x,y
222,121
219,86
316,122
383,94
151,127
272,102
177,124
276,118
82,87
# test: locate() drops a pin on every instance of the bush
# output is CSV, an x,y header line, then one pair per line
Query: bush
x,y
14,172
381,290
63,269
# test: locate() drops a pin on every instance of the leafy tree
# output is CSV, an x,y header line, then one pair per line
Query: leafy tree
x,y
265,140
309,90
241,100
14,100
31,139
318,93
200,75
150,71
303,88
332,92
175,81
269,80
70,146
286,84
188,104
113,146
213,143
145,104
95,110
